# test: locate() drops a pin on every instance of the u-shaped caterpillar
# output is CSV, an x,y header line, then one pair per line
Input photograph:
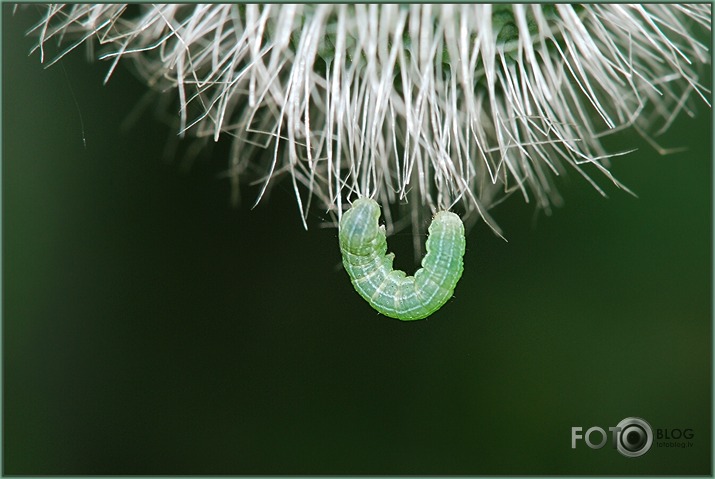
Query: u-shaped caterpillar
x,y
391,292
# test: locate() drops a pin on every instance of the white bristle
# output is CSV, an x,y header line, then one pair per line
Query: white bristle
x,y
435,105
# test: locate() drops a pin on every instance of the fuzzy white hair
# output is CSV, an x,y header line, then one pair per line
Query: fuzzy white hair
x,y
434,105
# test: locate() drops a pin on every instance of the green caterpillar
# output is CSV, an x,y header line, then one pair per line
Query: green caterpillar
x,y
391,292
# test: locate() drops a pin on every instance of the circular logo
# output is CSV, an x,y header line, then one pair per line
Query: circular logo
x,y
634,437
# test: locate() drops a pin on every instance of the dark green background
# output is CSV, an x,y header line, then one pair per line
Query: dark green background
x,y
150,328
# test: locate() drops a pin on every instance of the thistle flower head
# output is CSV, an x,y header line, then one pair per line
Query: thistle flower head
x,y
432,106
